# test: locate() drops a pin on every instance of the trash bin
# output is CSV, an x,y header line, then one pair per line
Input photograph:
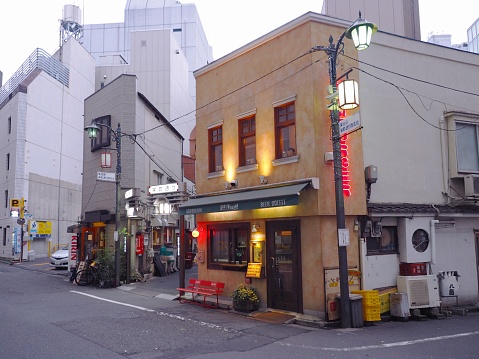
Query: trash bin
x,y
355,308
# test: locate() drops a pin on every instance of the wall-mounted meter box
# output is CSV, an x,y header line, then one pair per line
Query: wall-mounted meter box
x,y
371,174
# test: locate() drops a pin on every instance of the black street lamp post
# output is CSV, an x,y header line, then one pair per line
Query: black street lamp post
x,y
360,32
92,130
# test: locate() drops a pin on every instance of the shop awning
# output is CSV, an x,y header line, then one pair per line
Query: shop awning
x,y
240,201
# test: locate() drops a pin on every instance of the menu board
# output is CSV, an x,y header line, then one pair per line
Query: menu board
x,y
254,270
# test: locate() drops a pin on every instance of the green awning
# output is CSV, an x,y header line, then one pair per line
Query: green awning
x,y
240,201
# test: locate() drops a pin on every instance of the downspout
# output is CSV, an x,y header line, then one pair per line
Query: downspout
x,y
444,158
362,245
433,240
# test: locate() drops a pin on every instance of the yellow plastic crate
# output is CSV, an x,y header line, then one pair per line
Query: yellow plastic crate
x,y
371,317
372,309
370,301
384,299
368,294
370,297
371,314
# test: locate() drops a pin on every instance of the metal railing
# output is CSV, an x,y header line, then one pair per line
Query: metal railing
x,y
38,59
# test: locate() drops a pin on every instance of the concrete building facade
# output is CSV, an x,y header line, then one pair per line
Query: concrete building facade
x,y
400,17
41,115
111,43
148,158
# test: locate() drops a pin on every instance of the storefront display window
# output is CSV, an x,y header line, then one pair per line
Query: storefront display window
x,y
228,246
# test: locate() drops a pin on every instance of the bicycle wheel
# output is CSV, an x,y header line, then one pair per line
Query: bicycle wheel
x,y
104,280
84,277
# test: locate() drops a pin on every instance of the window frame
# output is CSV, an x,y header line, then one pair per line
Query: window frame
x,y
281,149
8,161
103,138
246,131
460,152
393,233
232,232
215,143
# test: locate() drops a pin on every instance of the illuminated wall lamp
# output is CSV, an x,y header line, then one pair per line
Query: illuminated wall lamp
x,y
348,94
254,228
105,160
195,233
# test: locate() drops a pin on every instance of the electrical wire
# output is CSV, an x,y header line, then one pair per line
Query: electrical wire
x,y
231,92
400,89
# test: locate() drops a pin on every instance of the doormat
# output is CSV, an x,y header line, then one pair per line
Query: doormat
x,y
273,317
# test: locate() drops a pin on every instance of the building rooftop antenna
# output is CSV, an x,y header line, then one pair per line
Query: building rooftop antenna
x,y
71,25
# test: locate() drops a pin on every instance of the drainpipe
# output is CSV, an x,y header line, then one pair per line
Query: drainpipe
x,y
433,240
444,158
362,251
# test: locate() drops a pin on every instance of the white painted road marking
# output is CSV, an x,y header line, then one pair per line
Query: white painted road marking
x,y
386,345
209,325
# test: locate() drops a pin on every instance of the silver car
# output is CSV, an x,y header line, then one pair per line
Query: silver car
x,y
59,258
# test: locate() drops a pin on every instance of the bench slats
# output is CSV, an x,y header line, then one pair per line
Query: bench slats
x,y
202,287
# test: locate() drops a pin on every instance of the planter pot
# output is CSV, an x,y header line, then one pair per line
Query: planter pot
x,y
245,307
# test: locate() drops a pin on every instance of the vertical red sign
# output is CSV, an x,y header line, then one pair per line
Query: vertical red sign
x,y
73,251
345,160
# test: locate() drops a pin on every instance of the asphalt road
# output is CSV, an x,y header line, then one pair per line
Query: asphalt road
x,y
43,315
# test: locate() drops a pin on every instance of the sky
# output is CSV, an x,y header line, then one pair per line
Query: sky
x,y
228,24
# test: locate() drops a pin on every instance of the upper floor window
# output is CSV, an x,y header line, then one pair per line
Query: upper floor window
x,y
228,246
215,143
103,137
387,243
285,130
467,148
6,198
8,161
247,141
9,125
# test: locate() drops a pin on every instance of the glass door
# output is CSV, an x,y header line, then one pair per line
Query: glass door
x,y
284,266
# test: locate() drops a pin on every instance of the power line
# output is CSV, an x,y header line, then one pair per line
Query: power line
x,y
319,60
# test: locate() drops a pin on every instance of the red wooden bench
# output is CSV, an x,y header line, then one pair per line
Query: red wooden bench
x,y
206,288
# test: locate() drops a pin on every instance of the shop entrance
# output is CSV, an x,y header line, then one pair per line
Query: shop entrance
x,y
284,265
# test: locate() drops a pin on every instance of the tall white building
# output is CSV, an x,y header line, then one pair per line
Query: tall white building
x,y
400,17
473,37
162,43
41,136
112,41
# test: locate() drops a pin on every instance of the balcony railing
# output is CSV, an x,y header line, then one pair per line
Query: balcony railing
x,y
38,59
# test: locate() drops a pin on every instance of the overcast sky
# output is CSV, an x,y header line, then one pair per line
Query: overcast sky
x,y
229,24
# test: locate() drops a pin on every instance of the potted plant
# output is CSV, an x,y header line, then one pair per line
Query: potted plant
x,y
245,299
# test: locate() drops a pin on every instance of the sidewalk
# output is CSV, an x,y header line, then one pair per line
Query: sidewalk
x,y
165,287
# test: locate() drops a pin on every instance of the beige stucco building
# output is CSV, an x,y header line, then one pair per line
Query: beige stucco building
x,y
418,134
252,106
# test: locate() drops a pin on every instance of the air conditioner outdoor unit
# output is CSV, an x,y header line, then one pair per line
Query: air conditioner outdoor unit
x,y
422,291
471,186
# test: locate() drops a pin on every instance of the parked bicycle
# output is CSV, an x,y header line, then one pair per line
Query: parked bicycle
x,y
93,274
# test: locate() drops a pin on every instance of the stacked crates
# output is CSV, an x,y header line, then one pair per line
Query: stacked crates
x,y
371,305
